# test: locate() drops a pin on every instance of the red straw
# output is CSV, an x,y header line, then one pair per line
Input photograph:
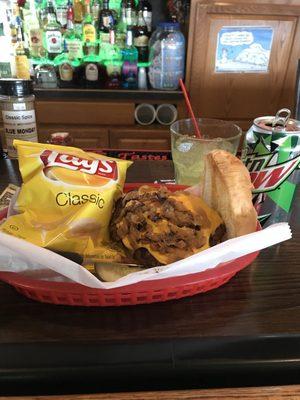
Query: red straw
x,y
189,107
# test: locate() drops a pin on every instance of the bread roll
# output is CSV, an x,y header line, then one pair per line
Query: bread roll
x,y
227,189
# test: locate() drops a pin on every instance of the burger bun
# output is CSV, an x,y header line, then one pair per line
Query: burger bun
x,y
227,188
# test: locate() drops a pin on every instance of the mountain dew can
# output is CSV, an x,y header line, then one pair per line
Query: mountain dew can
x,y
272,156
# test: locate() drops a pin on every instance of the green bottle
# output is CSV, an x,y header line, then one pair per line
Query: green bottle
x,y
95,10
121,28
52,33
115,5
61,9
71,36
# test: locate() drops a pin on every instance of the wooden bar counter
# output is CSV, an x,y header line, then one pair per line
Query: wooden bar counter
x,y
264,393
245,333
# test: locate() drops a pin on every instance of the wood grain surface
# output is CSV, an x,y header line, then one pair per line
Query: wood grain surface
x,y
256,393
241,96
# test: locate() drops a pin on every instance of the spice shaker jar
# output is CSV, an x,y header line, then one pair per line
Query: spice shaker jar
x,y
17,104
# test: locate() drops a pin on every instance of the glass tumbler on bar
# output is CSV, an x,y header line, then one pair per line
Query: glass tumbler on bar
x,y
188,151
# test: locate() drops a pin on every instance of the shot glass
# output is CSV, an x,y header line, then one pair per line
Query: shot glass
x,y
188,151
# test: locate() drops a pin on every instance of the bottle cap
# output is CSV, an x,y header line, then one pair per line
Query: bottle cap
x,y
16,87
169,25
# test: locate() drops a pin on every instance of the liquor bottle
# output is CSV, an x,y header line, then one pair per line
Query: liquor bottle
x,y
88,29
121,27
42,13
115,6
21,59
95,10
52,34
67,69
130,59
92,71
70,15
130,12
61,13
78,11
35,33
13,28
146,8
72,37
113,63
141,38
26,16
106,22
123,7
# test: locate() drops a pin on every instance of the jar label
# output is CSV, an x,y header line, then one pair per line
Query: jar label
x,y
19,125
53,41
65,72
16,117
91,72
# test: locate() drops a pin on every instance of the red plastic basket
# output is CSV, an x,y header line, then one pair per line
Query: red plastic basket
x,y
74,294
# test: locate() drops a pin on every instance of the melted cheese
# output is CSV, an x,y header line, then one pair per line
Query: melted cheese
x,y
211,220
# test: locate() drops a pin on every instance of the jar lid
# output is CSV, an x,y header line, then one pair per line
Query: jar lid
x,y
169,25
16,87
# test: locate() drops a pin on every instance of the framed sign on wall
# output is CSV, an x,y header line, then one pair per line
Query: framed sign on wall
x,y
242,59
243,49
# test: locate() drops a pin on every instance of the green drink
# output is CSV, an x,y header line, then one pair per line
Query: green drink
x,y
188,151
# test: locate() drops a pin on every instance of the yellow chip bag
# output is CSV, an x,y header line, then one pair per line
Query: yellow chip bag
x,y
66,198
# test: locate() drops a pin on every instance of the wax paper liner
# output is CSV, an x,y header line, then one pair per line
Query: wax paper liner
x,y
17,255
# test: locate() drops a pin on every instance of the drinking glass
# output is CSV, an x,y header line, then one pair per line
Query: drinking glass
x,y
188,150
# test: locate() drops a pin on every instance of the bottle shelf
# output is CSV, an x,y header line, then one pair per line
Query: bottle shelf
x,y
121,94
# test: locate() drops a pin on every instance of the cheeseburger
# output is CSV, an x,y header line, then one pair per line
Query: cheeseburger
x,y
157,227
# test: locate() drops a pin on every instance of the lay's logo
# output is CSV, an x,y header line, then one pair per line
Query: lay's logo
x,y
103,168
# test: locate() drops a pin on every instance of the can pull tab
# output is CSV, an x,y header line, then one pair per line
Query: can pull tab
x,y
281,118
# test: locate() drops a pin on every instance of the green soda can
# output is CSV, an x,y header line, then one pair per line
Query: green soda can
x,y
272,156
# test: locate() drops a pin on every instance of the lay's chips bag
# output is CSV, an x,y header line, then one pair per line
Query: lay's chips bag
x,y
67,197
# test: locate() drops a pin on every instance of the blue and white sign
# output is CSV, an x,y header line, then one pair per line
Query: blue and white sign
x,y
244,49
